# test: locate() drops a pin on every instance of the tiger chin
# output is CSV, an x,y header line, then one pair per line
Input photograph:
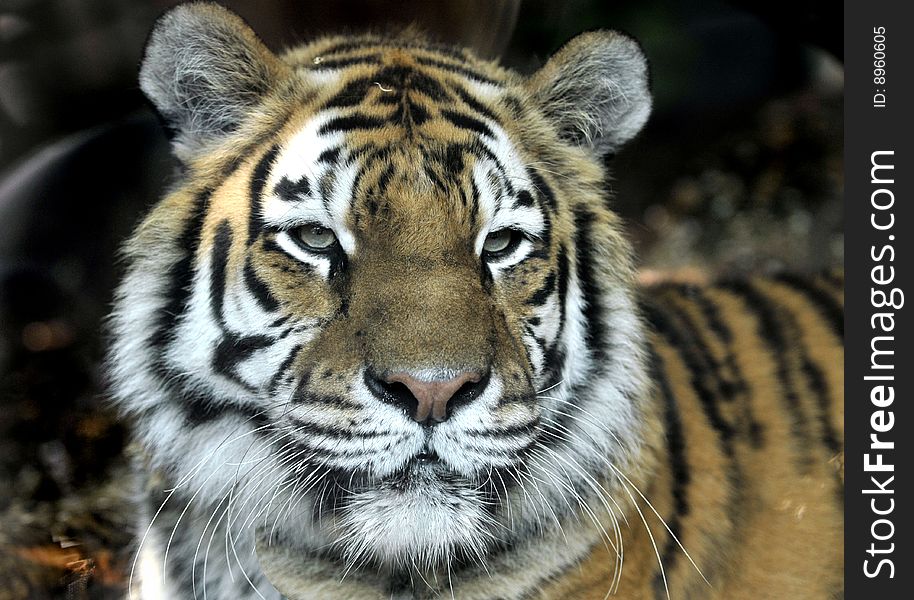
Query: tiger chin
x,y
383,339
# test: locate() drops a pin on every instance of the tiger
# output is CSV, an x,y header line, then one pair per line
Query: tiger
x,y
385,338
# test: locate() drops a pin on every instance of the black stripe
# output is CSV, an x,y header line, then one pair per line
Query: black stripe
x,y
404,79
538,341
514,106
258,180
732,479
819,389
595,334
180,277
452,159
233,349
712,315
679,469
481,151
817,384
510,430
740,385
823,399
384,179
543,190
433,177
554,358
665,324
541,295
283,367
554,365
340,433
546,234
474,104
259,289
486,279
409,114
222,244
555,355
474,205
330,155
706,364
770,331
326,186
455,68
292,191
692,332
353,93
563,262
350,123
506,183
339,63
823,302
200,408
466,122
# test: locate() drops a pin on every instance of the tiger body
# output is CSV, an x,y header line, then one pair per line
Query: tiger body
x,y
383,339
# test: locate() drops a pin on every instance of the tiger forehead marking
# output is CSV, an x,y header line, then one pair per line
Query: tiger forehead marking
x,y
383,340
432,154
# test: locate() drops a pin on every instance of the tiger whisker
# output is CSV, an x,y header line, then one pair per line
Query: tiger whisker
x,y
663,521
583,503
230,543
543,505
595,486
200,542
174,529
553,386
227,440
211,538
555,423
254,513
281,458
306,487
648,502
603,494
171,491
279,487
545,502
506,501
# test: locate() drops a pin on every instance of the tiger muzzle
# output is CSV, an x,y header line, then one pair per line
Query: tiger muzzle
x,y
428,400
426,335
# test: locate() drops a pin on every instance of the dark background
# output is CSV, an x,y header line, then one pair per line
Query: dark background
x,y
740,168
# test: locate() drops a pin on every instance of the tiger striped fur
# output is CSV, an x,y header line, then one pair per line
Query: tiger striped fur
x,y
383,340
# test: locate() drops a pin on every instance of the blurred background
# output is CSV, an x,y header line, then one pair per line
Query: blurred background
x,y
739,169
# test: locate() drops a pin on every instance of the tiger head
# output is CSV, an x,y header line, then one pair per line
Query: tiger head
x,y
386,299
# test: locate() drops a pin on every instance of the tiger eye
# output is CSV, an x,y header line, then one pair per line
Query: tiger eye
x,y
498,241
315,237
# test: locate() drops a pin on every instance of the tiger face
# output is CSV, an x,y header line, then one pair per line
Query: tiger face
x,y
385,291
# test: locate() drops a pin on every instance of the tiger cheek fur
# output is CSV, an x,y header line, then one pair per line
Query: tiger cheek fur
x,y
382,340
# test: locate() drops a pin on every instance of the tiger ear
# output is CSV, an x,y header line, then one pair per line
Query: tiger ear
x,y
205,70
596,90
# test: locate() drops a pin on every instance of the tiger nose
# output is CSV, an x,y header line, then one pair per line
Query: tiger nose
x,y
424,397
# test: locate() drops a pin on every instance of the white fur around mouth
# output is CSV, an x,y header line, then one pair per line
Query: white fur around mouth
x,y
422,520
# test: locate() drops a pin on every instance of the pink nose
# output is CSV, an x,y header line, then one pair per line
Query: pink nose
x,y
432,397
